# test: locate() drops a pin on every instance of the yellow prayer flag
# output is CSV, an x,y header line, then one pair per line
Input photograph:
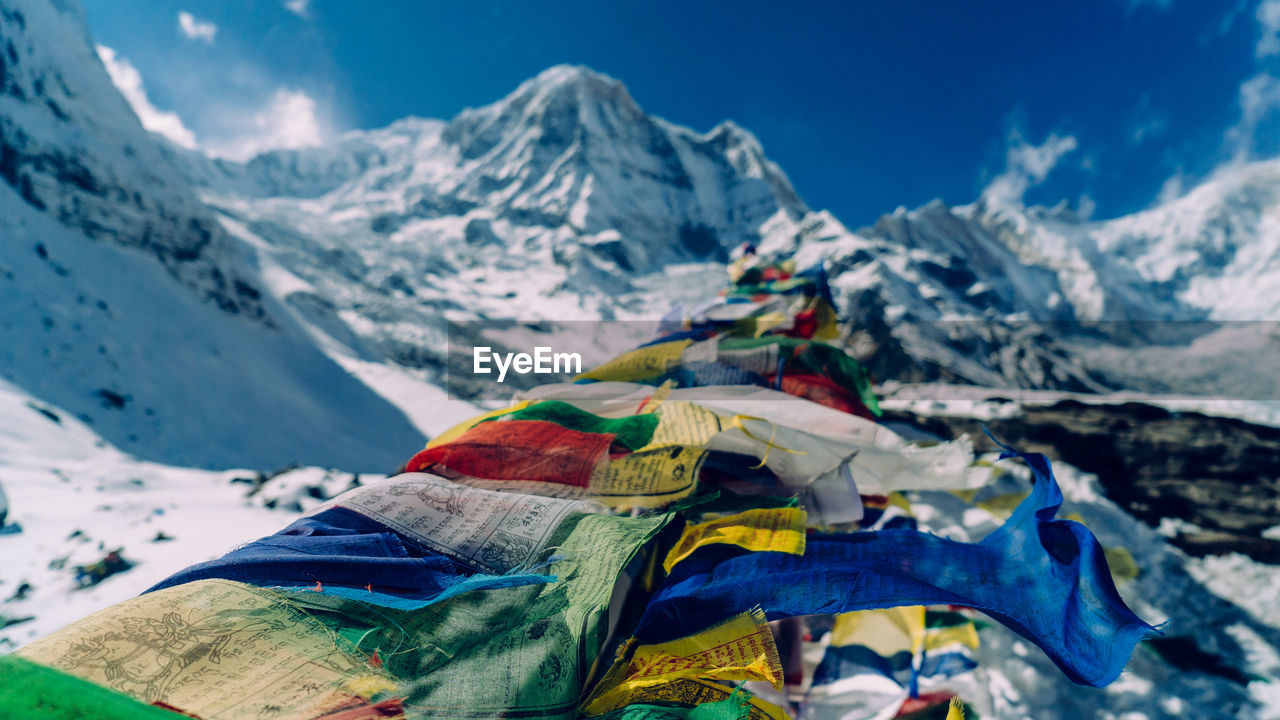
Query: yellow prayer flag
x,y
214,648
639,364
763,530
691,692
649,477
964,634
887,631
684,423
766,322
741,648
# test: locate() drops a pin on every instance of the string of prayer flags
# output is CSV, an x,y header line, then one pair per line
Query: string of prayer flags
x,y
525,651
631,432
494,532
617,547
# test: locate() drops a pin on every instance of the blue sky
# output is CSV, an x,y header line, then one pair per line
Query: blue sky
x,y
867,106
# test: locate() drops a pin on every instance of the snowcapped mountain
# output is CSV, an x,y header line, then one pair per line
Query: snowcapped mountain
x,y
1175,298
568,149
564,200
561,201
128,305
1211,254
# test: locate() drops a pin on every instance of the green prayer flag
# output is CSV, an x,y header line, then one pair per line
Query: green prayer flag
x,y
632,432
30,691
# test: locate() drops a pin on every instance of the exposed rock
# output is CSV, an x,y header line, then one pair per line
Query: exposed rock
x,y
1219,474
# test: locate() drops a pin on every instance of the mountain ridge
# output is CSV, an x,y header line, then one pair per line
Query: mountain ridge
x,y
567,178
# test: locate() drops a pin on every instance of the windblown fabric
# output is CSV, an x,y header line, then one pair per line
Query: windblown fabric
x,y
1046,579
795,307
796,356
456,431
800,440
493,532
906,645
740,648
699,706
950,636
807,368
777,280
759,529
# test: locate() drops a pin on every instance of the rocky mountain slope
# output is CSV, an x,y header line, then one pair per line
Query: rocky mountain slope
x,y
1213,477
1171,299
126,303
71,148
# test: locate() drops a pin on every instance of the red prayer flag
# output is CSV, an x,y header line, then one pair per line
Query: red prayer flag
x,y
520,450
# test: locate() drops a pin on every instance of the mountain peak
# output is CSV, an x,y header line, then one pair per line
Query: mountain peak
x,y
557,108
730,134
571,89
577,76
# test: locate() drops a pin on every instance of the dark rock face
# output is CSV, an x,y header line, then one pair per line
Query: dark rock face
x,y
71,147
994,353
1220,474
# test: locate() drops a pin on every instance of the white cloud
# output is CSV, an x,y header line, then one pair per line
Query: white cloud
x,y
195,28
1259,98
1026,166
1085,206
1172,188
301,8
289,120
1269,19
129,82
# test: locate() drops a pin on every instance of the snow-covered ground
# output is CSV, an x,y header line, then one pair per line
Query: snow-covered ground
x,y
76,498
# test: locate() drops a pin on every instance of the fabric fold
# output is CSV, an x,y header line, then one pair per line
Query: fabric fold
x,y
1046,579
